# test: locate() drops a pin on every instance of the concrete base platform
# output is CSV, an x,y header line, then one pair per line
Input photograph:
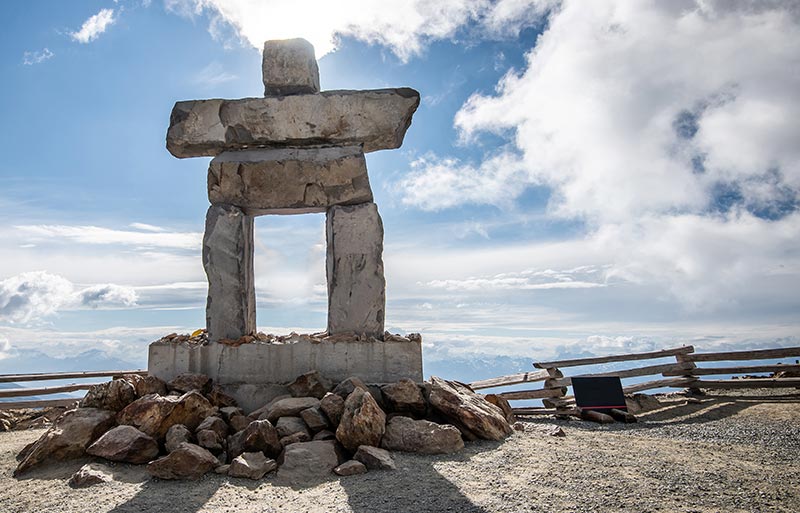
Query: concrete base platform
x,y
254,373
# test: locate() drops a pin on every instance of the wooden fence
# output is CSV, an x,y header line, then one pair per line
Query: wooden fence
x,y
47,390
684,373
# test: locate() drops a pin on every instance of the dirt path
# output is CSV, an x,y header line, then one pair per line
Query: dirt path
x,y
725,454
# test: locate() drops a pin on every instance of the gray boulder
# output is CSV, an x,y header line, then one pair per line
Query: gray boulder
x,y
350,468
188,461
374,458
68,438
468,411
124,443
310,384
363,422
251,465
290,407
421,436
308,461
112,395
176,435
404,397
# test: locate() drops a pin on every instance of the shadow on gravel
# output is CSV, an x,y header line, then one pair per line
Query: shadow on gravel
x,y
415,486
170,496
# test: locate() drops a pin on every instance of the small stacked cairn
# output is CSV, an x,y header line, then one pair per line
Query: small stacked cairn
x,y
188,427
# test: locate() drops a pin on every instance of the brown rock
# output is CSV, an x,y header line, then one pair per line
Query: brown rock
x,y
227,412
112,395
68,437
308,461
421,436
188,381
238,423
346,387
188,461
300,436
363,422
264,410
333,407
325,435
176,435
219,398
502,403
374,458
209,439
150,385
315,419
90,474
154,415
404,397
290,407
468,411
259,435
557,431
350,468
310,384
215,424
222,469
124,443
290,425
252,465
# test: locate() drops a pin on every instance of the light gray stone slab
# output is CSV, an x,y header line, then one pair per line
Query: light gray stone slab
x,y
377,119
228,262
288,66
354,263
248,372
289,180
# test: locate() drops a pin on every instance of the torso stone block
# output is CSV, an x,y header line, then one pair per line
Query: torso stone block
x,y
289,181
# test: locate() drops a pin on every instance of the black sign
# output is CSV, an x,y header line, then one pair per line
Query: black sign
x,y
599,393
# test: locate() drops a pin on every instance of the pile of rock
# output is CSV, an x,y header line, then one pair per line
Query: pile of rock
x,y
189,426
200,337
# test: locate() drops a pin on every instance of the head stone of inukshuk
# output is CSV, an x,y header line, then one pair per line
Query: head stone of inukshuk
x,y
296,150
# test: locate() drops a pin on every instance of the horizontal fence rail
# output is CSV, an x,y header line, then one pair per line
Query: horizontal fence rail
x,y
49,390
684,373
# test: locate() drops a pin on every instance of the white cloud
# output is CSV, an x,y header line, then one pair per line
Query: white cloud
x,y
213,74
5,348
29,296
94,26
147,227
37,57
438,183
97,235
405,26
530,279
668,128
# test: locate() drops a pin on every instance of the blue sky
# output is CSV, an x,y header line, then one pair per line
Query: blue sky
x,y
580,178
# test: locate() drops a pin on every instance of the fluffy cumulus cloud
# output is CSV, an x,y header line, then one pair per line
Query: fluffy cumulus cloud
x,y
29,296
94,26
669,128
405,26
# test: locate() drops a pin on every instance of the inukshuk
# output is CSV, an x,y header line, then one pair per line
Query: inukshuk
x,y
296,150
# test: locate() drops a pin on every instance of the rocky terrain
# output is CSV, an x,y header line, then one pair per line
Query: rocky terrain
x,y
732,452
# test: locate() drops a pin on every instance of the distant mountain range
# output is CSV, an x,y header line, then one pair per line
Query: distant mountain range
x,y
26,361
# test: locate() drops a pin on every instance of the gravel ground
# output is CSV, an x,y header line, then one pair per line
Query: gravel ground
x,y
728,453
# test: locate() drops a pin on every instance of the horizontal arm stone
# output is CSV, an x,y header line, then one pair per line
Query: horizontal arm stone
x,y
377,119
289,180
